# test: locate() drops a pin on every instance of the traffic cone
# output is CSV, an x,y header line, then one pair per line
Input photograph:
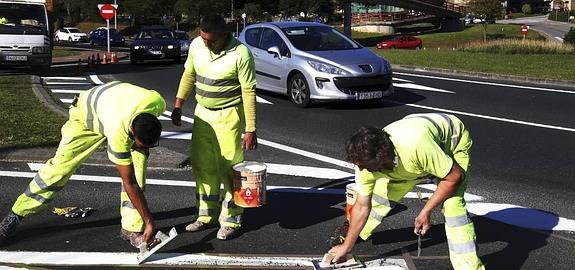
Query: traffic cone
x,y
104,59
114,58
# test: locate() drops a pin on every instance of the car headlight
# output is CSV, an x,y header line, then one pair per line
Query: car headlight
x,y
170,47
325,68
136,47
39,50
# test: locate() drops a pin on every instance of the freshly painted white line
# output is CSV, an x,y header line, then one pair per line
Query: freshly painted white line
x,y
64,65
522,217
65,78
176,135
421,87
560,39
261,100
401,80
487,83
306,171
161,117
95,79
67,100
35,166
67,91
485,116
67,83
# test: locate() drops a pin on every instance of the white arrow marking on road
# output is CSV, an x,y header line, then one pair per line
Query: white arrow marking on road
x,y
421,87
261,100
522,216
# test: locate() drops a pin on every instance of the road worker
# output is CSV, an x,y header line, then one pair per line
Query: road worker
x,y
390,162
223,72
125,117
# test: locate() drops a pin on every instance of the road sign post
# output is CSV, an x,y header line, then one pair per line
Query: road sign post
x,y
524,30
107,11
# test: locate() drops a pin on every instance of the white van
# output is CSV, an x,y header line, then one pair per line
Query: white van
x,y
24,33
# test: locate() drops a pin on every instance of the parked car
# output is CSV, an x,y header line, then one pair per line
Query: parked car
x,y
156,42
71,34
100,36
401,42
313,62
185,41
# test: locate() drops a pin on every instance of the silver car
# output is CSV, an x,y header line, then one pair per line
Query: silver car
x,y
314,62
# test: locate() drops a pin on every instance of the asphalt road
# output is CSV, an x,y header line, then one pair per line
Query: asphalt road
x,y
554,30
520,195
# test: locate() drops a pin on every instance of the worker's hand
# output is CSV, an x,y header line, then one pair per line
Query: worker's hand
x,y
250,141
338,252
150,233
177,116
422,223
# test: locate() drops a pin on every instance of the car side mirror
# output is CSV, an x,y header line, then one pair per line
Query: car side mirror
x,y
275,50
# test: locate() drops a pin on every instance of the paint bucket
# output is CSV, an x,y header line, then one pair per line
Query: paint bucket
x,y
250,184
350,198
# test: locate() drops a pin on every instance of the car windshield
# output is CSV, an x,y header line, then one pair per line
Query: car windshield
x,y
73,30
157,34
182,35
319,38
22,18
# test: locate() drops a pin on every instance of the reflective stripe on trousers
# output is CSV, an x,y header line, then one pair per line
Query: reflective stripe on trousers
x,y
131,219
215,148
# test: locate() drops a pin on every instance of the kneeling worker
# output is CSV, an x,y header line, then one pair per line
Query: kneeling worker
x,y
124,116
392,161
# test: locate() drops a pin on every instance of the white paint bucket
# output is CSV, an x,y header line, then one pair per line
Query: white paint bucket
x,y
350,198
250,184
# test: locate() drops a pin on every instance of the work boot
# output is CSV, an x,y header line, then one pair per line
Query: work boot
x,y
197,226
135,238
225,232
8,226
339,235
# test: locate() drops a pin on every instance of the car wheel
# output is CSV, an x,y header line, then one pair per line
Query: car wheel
x,y
178,59
298,90
133,60
419,47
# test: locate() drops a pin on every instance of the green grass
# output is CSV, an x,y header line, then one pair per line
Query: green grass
x,y
518,46
555,67
60,52
24,121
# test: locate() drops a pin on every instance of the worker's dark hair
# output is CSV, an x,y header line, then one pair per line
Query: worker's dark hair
x,y
147,128
213,23
369,145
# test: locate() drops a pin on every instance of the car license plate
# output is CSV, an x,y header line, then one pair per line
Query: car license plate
x,y
156,52
370,95
16,58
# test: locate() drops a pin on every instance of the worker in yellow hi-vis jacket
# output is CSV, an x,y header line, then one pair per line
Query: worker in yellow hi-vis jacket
x,y
223,73
124,116
390,162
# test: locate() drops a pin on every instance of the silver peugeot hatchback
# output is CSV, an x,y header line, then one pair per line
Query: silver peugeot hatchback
x,y
312,62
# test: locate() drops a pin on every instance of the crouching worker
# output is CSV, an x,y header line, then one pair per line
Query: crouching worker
x,y
390,162
124,116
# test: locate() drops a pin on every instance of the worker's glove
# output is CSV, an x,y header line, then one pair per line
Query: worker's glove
x,y
177,116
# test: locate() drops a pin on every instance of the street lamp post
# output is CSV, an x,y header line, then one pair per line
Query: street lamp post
x,y
232,13
244,18
115,15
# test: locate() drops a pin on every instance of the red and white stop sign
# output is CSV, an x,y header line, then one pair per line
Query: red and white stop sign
x,y
524,29
107,11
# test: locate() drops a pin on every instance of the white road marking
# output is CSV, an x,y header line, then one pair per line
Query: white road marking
x,y
95,79
161,117
67,91
306,171
261,100
184,118
488,83
64,65
67,100
421,87
65,78
522,216
526,123
229,262
401,80
67,83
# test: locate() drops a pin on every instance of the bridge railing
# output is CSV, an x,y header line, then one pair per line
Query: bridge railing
x,y
454,7
359,18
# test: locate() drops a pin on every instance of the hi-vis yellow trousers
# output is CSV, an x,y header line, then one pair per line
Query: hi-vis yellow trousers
x,y
77,144
459,228
216,147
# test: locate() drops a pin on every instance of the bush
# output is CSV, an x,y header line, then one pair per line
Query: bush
x,y
570,37
517,46
526,8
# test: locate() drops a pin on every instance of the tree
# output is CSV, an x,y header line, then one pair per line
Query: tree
x,y
485,9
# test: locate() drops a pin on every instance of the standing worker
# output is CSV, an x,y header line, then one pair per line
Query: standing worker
x,y
223,72
124,116
390,162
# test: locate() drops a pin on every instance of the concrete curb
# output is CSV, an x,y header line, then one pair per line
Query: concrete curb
x,y
483,75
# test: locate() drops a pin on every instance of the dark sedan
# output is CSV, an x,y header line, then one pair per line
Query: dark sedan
x,y
100,36
155,43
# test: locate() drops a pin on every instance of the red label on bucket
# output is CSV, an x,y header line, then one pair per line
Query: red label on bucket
x,y
249,195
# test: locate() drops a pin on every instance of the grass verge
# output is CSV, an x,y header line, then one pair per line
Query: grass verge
x,y
61,52
24,121
554,67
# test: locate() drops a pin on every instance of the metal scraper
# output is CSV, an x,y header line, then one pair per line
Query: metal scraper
x,y
164,239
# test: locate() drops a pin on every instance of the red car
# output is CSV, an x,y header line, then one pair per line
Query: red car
x,y
401,42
